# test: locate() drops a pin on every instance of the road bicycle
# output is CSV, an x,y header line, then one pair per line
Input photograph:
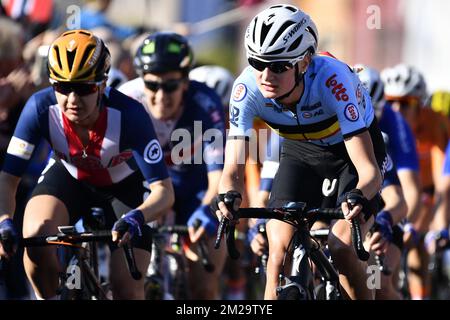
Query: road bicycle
x,y
167,275
78,253
303,248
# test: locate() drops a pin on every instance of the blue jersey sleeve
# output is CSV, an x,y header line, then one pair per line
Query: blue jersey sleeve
x,y
213,127
447,161
25,140
402,143
141,137
243,105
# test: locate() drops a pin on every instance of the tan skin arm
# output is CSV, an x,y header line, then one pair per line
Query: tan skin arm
x,y
233,172
213,183
410,182
360,150
161,199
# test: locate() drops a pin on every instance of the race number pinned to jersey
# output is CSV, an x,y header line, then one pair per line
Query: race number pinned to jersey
x,y
351,112
20,148
239,92
153,152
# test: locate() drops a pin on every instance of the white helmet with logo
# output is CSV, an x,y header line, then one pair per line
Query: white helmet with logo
x,y
371,79
403,81
217,78
281,33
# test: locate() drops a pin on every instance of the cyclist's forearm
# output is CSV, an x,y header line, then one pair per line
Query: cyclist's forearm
x,y
232,179
234,169
410,183
369,182
159,201
395,203
8,189
442,216
213,184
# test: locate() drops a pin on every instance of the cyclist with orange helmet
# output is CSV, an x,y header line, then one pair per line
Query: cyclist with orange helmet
x,y
104,148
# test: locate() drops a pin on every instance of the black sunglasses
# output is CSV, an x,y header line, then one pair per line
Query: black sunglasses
x,y
80,89
275,67
166,86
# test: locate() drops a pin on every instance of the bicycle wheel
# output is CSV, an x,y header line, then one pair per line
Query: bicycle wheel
x,y
154,288
178,282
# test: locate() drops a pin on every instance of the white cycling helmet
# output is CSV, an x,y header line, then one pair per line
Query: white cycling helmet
x,y
281,33
116,78
371,79
217,78
403,81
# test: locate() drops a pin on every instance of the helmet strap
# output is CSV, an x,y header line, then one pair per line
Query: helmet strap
x,y
298,80
99,99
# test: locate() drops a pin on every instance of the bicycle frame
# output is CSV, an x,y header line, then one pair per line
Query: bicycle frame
x,y
174,284
304,248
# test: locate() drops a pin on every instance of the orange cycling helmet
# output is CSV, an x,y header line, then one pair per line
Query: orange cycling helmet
x,y
78,56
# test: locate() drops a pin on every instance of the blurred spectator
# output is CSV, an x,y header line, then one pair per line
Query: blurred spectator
x,y
93,15
33,15
16,86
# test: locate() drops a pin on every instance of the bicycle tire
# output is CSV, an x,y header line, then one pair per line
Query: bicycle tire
x,y
154,288
178,281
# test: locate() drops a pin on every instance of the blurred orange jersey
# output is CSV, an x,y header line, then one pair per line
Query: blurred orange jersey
x,y
432,134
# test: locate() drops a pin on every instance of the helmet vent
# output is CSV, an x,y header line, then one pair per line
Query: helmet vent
x,y
311,31
408,80
86,33
285,25
58,57
264,32
374,89
278,51
295,44
86,54
70,58
250,49
254,29
291,8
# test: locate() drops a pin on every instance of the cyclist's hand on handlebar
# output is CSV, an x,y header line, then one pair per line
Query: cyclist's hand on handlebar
x,y
350,214
219,208
128,227
259,244
353,204
208,224
411,236
378,243
8,238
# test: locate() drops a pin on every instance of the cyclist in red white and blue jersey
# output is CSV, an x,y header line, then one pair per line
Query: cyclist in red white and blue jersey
x,y
104,149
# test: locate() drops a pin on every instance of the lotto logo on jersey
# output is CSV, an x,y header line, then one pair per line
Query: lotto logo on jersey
x,y
20,148
337,89
239,92
153,152
351,112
